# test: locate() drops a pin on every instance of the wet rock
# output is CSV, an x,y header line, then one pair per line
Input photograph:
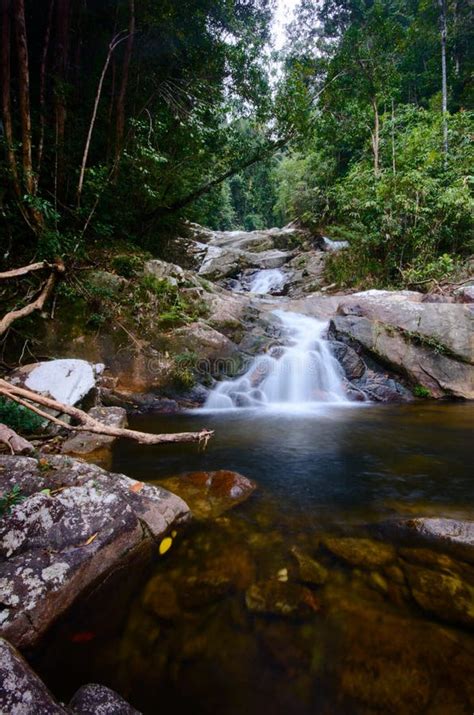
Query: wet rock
x,y
93,699
75,525
366,553
96,447
352,364
447,596
279,598
160,598
453,535
210,494
67,381
382,388
310,570
21,690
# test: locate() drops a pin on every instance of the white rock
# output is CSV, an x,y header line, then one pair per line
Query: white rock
x,y
67,381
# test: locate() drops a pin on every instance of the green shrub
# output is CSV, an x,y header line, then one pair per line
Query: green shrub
x,y
127,266
19,418
9,499
422,392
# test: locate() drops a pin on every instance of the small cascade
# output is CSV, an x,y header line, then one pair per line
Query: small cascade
x,y
334,245
296,375
266,280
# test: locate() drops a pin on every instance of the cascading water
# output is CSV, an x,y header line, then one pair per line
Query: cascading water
x,y
266,280
299,374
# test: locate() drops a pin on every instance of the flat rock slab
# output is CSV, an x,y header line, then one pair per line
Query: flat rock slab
x,y
75,523
67,380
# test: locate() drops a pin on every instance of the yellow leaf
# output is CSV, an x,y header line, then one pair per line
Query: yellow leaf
x,y
91,539
137,487
165,545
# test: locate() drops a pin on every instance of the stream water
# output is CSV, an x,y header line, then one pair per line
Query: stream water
x,y
179,634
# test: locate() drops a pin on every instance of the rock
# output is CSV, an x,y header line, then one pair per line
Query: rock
x,y
424,363
210,494
93,699
76,524
279,598
449,326
382,388
21,690
366,553
207,343
67,381
310,570
161,270
105,282
352,364
447,596
453,535
97,447
465,294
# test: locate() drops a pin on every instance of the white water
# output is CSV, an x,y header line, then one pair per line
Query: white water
x,y
301,374
266,280
335,245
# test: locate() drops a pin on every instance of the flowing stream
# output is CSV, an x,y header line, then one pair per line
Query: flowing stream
x,y
301,374
267,280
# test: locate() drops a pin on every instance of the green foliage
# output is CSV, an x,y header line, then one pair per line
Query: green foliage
x,y
10,499
128,265
19,418
421,392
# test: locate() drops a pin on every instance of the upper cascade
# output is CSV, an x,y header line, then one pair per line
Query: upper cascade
x,y
299,374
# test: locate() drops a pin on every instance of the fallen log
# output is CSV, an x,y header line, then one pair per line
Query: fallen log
x,y
37,304
15,443
16,272
87,423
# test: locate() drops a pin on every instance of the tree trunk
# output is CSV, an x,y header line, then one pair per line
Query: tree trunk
x,y
120,122
444,79
42,89
62,55
376,138
6,103
24,94
116,41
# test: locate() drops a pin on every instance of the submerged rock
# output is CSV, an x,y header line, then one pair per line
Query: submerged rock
x,y
454,535
447,596
310,570
210,494
280,598
366,553
97,447
75,524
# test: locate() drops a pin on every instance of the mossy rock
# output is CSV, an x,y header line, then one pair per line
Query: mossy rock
x,y
366,553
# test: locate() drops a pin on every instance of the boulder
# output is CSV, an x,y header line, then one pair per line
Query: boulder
x,y
423,362
216,354
447,327
161,270
75,524
382,388
67,381
465,294
109,284
352,364
21,690
210,494
366,553
445,595
93,699
453,535
310,570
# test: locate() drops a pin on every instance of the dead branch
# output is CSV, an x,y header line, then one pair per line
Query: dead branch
x,y
37,304
17,272
87,423
15,443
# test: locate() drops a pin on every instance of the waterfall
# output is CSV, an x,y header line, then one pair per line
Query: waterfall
x,y
300,373
266,280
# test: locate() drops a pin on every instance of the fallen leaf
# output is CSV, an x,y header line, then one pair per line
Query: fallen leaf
x,y
137,487
165,545
91,539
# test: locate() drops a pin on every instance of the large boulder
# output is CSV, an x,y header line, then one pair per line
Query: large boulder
x,y
161,270
97,447
423,361
445,327
352,364
67,381
93,699
74,524
453,535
